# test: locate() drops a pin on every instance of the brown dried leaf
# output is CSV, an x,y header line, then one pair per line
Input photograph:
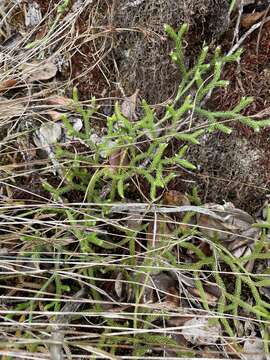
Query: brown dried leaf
x,y
174,197
40,71
118,159
11,108
42,30
128,106
250,19
159,287
55,115
235,228
179,320
164,282
7,84
134,221
210,352
60,100
173,299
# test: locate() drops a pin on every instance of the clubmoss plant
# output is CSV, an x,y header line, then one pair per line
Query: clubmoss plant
x,y
142,147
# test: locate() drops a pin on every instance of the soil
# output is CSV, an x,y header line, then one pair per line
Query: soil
x,y
233,168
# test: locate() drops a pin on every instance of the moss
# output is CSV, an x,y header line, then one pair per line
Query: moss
x,y
143,54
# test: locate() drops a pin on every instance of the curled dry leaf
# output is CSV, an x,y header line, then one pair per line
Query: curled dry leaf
x,y
12,42
60,101
118,159
128,106
212,291
233,228
248,20
55,115
33,14
39,71
134,221
118,285
263,269
199,331
164,283
173,298
122,288
48,134
11,108
160,287
7,84
232,222
211,299
209,352
41,32
174,197
180,319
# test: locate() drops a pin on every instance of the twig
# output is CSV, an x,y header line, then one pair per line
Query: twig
x,y
139,208
250,31
57,335
236,30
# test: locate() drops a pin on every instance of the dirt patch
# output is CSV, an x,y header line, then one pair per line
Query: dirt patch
x,y
233,168
90,63
251,77
87,75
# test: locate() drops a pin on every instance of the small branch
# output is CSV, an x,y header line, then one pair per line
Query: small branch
x,y
250,31
144,208
236,30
